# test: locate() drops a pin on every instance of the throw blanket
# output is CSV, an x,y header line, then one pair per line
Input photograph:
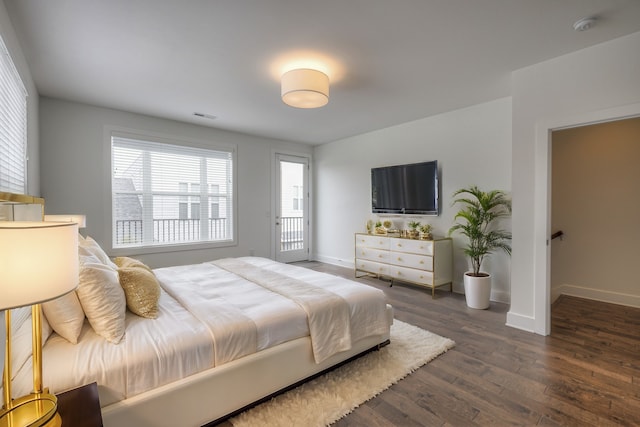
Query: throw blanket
x,y
327,313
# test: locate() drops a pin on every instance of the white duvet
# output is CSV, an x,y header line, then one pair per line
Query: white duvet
x,y
209,316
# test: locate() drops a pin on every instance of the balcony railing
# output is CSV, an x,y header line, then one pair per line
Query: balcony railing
x,y
291,233
129,231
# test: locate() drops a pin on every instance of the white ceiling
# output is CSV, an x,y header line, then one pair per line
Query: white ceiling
x,y
389,62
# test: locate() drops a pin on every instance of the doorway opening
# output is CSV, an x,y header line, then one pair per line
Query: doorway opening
x,y
543,203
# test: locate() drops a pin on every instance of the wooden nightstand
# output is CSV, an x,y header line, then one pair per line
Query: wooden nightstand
x,y
80,407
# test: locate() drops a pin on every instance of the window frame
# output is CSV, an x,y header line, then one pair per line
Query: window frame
x,y
118,132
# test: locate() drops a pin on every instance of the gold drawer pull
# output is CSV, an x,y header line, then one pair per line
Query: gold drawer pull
x,y
399,245
421,262
399,259
379,255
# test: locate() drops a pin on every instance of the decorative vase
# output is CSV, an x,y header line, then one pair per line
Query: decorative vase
x,y
413,234
477,290
426,236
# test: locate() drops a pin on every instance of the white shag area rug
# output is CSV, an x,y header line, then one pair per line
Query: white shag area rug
x,y
335,394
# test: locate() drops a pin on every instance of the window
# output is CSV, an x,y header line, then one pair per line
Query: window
x,y
164,194
13,126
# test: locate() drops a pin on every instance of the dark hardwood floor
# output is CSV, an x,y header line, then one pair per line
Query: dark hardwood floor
x,y
586,373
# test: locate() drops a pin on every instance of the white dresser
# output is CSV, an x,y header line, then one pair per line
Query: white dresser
x,y
426,263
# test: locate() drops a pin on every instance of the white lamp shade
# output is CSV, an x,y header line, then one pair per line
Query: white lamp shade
x,y
81,220
38,262
305,88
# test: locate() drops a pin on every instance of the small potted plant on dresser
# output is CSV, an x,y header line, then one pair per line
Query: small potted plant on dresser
x,y
425,232
476,220
413,229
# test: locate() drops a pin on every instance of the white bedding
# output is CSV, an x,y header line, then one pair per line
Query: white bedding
x,y
331,324
152,353
243,317
197,306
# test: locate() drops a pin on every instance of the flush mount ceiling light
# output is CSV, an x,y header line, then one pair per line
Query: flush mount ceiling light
x,y
305,88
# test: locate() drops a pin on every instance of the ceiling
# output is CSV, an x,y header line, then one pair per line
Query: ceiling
x,y
389,62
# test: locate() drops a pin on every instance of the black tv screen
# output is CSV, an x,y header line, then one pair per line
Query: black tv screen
x,y
405,189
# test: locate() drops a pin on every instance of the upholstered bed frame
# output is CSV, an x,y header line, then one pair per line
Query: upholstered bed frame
x,y
214,394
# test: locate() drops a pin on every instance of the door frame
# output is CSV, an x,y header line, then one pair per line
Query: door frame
x,y
542,202
274,192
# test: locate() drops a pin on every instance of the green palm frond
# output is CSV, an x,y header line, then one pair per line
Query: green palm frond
x,y
476,220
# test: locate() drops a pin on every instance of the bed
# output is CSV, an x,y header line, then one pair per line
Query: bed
x,y
227,333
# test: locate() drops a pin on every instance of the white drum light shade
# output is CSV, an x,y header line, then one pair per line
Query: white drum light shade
x,y
38,261
305,88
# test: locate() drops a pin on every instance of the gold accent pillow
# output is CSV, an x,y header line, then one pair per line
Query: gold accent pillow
x,y
141,288
123,261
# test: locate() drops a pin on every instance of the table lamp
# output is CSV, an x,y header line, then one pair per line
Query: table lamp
x,y
38,263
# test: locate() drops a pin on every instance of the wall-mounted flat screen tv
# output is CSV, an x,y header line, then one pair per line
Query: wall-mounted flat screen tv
x,y
405,189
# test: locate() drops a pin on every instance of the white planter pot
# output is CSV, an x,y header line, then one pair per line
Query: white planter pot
x,y
477,291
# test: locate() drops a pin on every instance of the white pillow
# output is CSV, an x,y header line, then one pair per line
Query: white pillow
x,y
102,298
88,247
65,316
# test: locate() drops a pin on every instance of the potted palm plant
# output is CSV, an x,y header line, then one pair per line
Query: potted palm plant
x,y
476,220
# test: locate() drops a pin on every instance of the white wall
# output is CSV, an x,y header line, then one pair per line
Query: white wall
x,y
590,84
471,145
75,176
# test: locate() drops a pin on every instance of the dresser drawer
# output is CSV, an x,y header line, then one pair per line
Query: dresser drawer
x,y
422,262
411,275
372,267
372,241
423,247
363,252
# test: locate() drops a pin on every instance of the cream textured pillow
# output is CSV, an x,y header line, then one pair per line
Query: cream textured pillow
x,y
141,289
88,247
102,298
65,316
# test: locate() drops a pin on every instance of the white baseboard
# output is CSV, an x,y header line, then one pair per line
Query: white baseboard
x,y
500,296
335,261
519,321
596,294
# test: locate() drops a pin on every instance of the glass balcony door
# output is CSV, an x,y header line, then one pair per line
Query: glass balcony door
x,y
292,208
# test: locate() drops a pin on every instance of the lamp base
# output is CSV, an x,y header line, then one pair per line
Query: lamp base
x,y
32,410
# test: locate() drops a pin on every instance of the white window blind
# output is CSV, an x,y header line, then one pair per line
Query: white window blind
x,y
164,194
13,126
